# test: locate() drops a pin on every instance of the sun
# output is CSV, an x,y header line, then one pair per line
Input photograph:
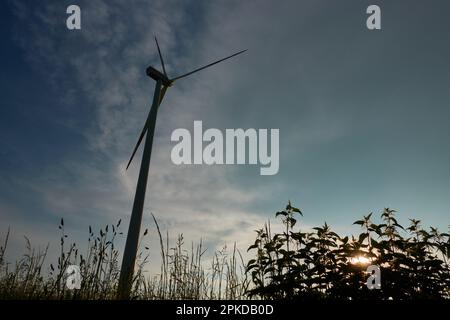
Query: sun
x,y
360,260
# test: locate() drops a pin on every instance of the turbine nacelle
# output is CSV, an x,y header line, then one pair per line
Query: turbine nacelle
x,y
158,76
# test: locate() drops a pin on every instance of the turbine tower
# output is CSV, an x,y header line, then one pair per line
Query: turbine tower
x,y
163,82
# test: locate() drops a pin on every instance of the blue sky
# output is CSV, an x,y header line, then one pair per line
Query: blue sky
x,y
363,115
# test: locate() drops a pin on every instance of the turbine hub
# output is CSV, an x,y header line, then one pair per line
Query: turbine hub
x,y
158,76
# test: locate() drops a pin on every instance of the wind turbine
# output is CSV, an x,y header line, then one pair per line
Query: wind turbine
x,y
163,82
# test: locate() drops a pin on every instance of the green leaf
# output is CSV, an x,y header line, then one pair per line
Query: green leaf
x,y
294,209
362,237
282,213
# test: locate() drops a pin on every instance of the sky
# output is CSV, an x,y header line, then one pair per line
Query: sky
x,y
363,115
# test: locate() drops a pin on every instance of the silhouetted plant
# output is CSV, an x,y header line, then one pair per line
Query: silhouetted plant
x,y
321,264
292,264
184,274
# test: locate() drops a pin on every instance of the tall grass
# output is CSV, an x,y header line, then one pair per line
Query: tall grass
x,y
185,272
290,264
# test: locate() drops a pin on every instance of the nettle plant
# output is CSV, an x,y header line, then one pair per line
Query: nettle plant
x,y
321,264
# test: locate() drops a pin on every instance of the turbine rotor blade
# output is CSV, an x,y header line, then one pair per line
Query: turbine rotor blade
x,y
160,57
161,96
144,130
207,66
